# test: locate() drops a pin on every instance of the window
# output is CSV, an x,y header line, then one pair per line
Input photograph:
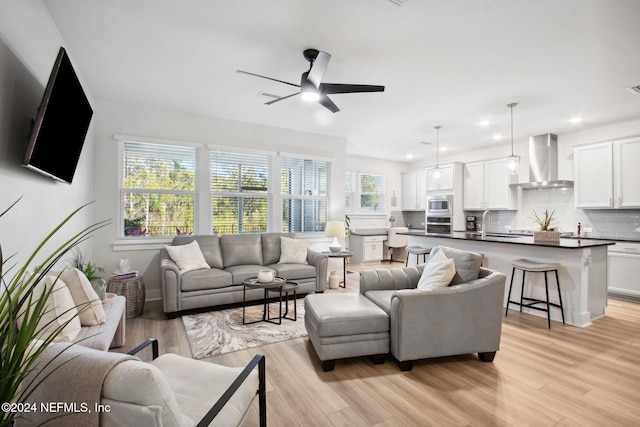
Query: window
x,y
157,189
240,192
349,191
305,187
371,192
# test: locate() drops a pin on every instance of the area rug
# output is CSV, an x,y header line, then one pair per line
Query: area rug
x,y
218,332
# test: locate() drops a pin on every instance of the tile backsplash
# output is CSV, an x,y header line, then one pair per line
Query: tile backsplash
x,y
609,223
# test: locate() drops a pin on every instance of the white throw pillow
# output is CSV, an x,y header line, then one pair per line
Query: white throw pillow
x,y
85,297
59,309
293,251
438,272
188,257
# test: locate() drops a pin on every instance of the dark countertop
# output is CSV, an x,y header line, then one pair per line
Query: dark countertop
x,y
567,243
616,239
370,232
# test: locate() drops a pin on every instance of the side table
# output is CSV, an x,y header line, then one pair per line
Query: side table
x,y
344,255
132,288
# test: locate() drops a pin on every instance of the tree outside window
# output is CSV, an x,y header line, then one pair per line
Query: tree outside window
x,y
157,189
305,186
371,192
240,188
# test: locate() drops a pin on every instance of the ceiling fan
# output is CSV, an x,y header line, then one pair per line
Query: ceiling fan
x,y
311,86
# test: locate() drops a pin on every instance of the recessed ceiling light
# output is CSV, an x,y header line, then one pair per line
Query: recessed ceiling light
x,y
409,156
575,119
443,148
484,123
497,137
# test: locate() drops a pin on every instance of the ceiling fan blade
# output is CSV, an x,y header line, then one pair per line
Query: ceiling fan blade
x,y
328,104
331,88
281,98
318,68
265,77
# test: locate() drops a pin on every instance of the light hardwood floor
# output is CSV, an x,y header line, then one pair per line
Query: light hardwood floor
x,y
565,376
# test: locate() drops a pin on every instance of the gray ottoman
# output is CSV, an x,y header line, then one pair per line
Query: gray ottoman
x,y
342,325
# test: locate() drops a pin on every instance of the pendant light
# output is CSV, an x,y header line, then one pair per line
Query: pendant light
x,y
436,172
513,161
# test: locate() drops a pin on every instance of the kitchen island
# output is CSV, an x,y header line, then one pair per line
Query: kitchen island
x,y
583,271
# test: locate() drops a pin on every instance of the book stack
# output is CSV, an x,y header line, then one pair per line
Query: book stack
x,y
119,275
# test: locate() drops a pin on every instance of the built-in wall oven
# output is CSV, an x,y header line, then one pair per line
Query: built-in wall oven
x,y
438,224
439,214
441,205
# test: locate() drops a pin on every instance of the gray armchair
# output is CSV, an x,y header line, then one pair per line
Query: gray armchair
x,y
465,317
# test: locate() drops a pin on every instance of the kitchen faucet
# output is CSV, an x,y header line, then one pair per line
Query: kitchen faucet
x,y
484,228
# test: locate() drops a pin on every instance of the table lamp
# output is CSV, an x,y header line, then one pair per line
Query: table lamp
x,y
335,229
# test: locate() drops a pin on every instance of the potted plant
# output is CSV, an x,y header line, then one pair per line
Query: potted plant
x,y
547,232
90,271
19,356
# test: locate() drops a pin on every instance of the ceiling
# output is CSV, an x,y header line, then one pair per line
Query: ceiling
x,y
451,63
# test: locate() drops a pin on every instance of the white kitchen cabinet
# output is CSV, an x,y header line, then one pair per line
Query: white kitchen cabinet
x,y
486,186
627,173
606,175
473,186
366,248
593,176
373,248
413,190
445,182
623,269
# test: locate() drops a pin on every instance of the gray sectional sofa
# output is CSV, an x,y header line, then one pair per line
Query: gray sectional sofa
x,y
389,315
233,258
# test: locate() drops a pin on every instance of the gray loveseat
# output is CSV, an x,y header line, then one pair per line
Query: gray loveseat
x,y
233,258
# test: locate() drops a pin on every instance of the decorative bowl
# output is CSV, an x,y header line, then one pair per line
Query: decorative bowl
x,y
266,276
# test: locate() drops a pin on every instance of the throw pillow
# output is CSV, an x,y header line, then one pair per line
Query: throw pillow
x,y
188,257
293,251
438,272
60,308
88,303
467,263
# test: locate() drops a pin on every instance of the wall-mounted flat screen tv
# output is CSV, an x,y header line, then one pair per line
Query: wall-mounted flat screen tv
x,y
61,124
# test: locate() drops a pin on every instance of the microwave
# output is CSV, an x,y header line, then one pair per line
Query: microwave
x,y
440,205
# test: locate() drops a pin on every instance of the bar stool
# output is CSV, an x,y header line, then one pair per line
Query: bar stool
x,y
535,267
417,251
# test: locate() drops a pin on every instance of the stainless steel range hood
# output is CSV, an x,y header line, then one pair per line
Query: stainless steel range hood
x,y
543,164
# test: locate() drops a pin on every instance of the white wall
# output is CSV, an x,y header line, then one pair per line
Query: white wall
x,y
29,43
146,122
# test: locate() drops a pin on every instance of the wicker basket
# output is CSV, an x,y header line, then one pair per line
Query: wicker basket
x,y
546,236
132,289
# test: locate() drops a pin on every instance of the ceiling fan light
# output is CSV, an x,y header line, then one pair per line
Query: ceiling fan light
x,y
310,96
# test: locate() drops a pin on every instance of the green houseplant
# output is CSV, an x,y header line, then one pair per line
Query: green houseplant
x,y
18,356
90,271
546,223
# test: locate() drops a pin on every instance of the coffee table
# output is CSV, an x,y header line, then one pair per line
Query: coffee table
x,y
276,285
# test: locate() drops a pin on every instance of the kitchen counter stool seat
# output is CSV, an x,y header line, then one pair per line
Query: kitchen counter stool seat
x,y
535,267
417,251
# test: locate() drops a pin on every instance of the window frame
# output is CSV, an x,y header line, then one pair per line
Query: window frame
x,y
318,193
123,190
238,193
